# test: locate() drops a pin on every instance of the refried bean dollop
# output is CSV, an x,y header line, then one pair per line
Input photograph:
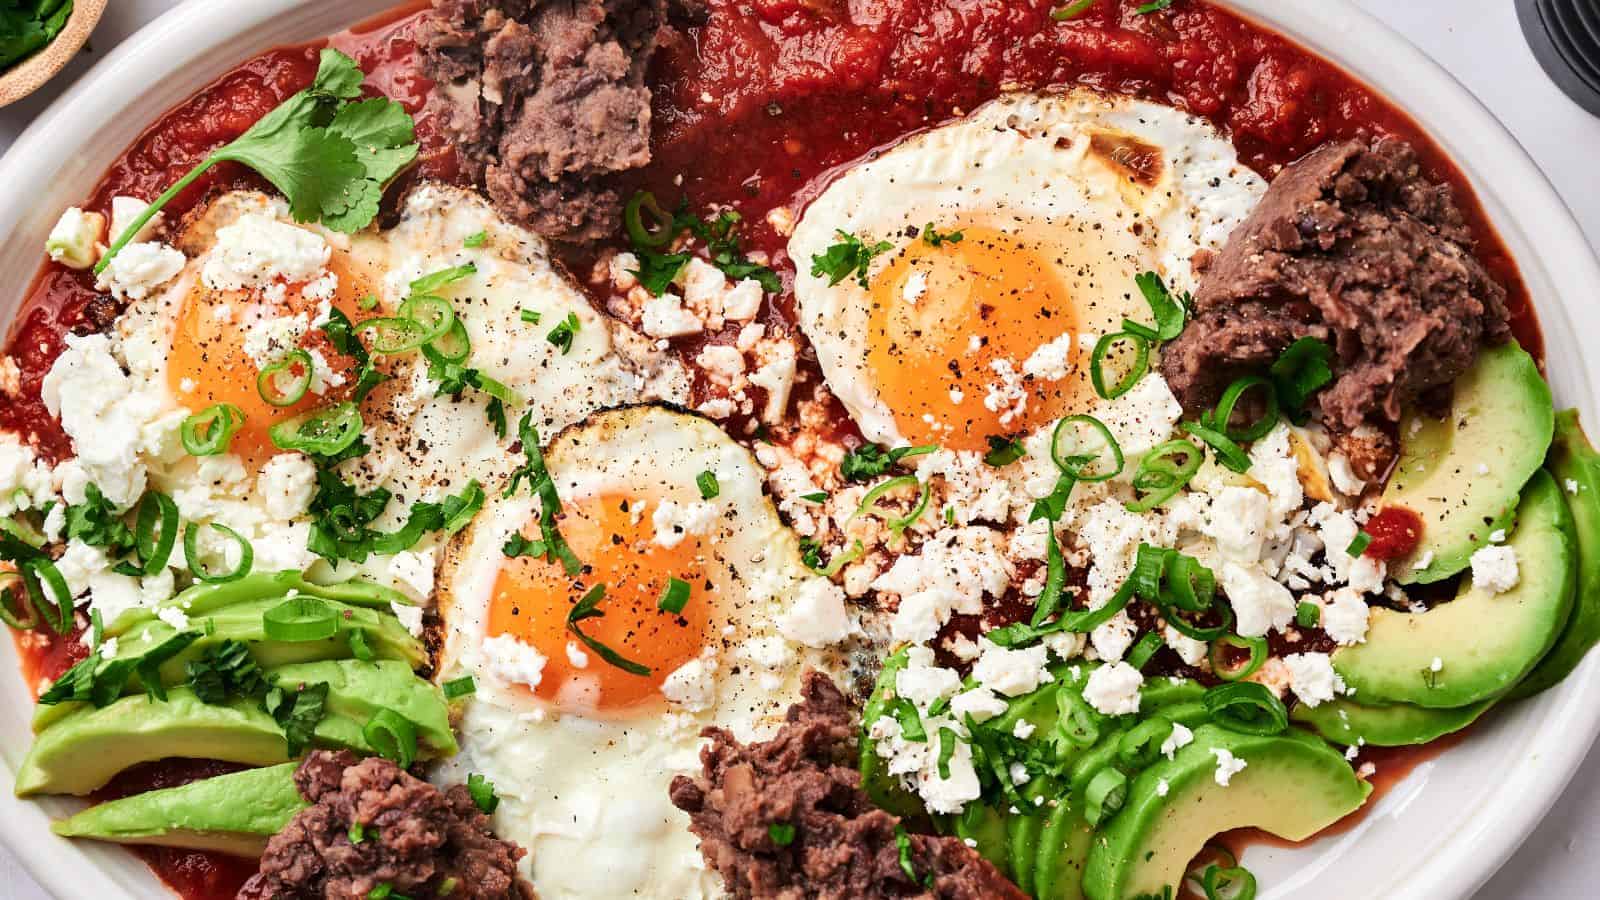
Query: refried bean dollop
x,y
416,839
542,99
1354,246
841,846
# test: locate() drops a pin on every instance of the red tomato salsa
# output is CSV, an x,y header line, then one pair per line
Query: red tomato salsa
x,y
754,110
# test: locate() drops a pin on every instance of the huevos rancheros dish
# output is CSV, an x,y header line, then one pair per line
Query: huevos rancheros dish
x,y
696,449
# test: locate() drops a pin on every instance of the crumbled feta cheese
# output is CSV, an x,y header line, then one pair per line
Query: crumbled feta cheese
x,y
1228,765
693,685
1345,479
675,521
817,616
1180,738
665,317
1143,417
1494,569
1011,672
1312,678
1497,536
1052,361
1163,788
576,657
776,377
951,572
283,547
1191,651
26,482
742,301
138,269
922,681
1572,486
125,211
1023,729
172,616
1239,523
413,571
980,703
1259,603
621,271
74,239
287,483
1437,665
91,395
723,363
1344,616
411,617
949,795
1007,396
1112,638
1112,535
510,661
1114,689
258,249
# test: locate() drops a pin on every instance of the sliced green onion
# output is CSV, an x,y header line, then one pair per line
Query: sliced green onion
x,y
433,313
359,648
1257,648
1233,883
1142,652
1083,620
782,833
482,791
675,597
898,525
707,483
1168,312
1188,584
657,234
322,432
905,713
1199,632
1149,568
284,382
1359,544
191,554
1228,453
1097,361
947,749
497,390
154,547
1301,371
22,531
454,345
476,239
208,432
44,582
1076,720
1140,746
392,736
530,316
299,620
1104,796
431,282
1083,447
1055,581
1246,707
1003,451
843,559
1071,10
1153,6
460,687
1308,614
1221,418
1163,472
394,334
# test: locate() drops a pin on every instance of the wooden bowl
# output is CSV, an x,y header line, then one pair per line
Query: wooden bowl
x,y
31,74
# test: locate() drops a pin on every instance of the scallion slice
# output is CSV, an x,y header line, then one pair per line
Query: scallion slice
x,y
286,381
1076,720
393,334
1083,447
1104,796
658,233
1130,377
1071,10
1149,568
460,687
707,482
392,736
1163,472
1140,746
322,432
897,524
1188,584
1247,707
454,345
1231,883
210,431
191,554
299,620
48,593
432,312
1256,647
156,510
1184,627
1142,652
674,597
1227,452
1308,614
1221,418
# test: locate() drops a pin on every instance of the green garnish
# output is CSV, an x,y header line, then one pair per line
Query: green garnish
x,y
1169,313
327,431
482,791
28,26
342,335
782,833
903,841
286,381
947,749
95,522
460,687
1231,883
589,608
1308,614
850,256
226,670
300,620
1256,647
100,681
357,834
815,497
1083,447
1227,452
1246,707
675,597
811,555
1163,472
530,316
869,461
1104,796
1359,544
657,270
208,432
1221,418
561,335
707,483
359,648
297,712
543,487
191,554
934,239
392,736
1071,10
1003,451
1303,369
1142,652
1136,371
905,713
328,153
1051,506
476,239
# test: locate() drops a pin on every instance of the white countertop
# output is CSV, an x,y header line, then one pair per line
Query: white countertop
x,y
1480,42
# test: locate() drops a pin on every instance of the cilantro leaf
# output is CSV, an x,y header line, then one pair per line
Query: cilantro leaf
x,y
1303,369
297,712
589,608
1169,313
342,335
850,256
483,795
936,239
1003,451
384,136
657,270
517,545
563,334
97,523
868,461
226,670
543,487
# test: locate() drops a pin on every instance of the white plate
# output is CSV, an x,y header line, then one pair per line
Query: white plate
x,y
1440,834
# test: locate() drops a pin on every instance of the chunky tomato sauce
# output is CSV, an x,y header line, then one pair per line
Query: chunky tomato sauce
x,y
754,110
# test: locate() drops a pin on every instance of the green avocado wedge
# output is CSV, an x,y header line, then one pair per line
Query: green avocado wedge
x,y
1576,468
1484,642
1347,723
1463,474
1063,849
883,788
203,599
242,621
1148,845
234,814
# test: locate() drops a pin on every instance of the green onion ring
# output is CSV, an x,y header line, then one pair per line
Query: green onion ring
x,y
1247,707
15,610
433,313
1141,364
640,233
191,554
1188,584
842,560
1159,478
1055,579
1233,883
1076,721
155,549
38,574
869,503
1104,796
1219,664
1147,647
284,382
1228,453
1220,418
1140,746
1079,621
1149,566
454,345
22,531
1073,461
392,736
300,619
208,432
321,432
1071,11
497,390
1199,632
394,334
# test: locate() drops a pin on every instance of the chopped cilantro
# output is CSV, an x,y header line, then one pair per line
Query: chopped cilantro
x,y
869,461
850,256
782,833
96,522
1301,371
477,239
482,791
1003,451
708,484
543,487
675,597
589,608
342,335
817,497
227,670
563,333
657,270
934,238
297,712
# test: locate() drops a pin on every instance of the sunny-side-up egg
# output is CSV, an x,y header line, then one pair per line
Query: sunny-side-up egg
x,y
581,750
1011,243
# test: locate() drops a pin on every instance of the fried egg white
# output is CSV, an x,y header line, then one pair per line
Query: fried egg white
x,y
1061,200
581,751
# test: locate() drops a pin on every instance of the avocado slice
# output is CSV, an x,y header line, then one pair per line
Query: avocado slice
x,y
242,621
84,749
984,828
204,599
1501,419
1024,829
234,814
1485,642
1063,850
1147,846
1576,468
884,789
1345,722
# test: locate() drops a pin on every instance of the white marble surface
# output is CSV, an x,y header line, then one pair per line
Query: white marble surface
x,y
1480,43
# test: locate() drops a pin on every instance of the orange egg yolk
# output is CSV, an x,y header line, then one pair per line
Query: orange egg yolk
x,y
943,317
208,363
533,596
